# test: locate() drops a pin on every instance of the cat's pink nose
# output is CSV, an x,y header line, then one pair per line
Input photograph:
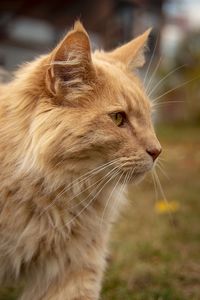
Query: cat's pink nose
x,y
154,152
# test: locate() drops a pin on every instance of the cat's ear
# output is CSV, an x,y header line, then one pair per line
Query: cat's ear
x,y
133,53
70,62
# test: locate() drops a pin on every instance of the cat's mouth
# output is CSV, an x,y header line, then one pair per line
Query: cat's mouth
x,y
135,174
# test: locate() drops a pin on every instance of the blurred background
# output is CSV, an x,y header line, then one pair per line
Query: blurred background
x,y
155,246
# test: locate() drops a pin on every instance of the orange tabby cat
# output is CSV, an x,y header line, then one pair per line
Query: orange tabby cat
x,y
74,126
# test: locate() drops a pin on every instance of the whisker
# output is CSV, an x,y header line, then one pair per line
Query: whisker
x,y
167,102
162,171
151,60
92,172
152,76
94,184
121,191
132,172
155,185
173,89
163,195
91,200
126,179
160,186
108,200
165,77
79,180
161,162
162,159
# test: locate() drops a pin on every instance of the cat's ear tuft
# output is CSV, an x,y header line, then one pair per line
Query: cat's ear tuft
x,y
78,26
133,53
70,62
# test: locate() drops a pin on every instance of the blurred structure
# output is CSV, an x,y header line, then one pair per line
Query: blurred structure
x,y
33,27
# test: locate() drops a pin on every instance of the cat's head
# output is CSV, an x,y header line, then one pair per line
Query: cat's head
x,y
94,109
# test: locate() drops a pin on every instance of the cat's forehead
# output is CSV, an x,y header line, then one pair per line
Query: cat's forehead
x,y
124,87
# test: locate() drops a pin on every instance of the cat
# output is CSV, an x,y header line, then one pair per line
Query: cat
x,y
75,127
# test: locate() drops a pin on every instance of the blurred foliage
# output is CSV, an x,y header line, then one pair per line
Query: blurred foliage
x,y
189,54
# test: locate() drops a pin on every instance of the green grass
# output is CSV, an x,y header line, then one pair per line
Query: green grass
x,y
8,293
157,256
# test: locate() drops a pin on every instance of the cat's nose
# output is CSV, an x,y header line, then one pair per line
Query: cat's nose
x,y
154,152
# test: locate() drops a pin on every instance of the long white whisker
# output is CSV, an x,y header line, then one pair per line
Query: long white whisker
x,y
171,90
94,184
132,172
79,180
165,77
116,203
92,172
166,102
163,160
121,191
91,200
108,200
163,194
126,180
161,169
152,76
155,185
160,186
151,60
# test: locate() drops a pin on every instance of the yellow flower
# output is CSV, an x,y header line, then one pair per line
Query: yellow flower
x,y
163,207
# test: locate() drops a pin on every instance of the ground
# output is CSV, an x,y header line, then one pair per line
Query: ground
x,y
154,255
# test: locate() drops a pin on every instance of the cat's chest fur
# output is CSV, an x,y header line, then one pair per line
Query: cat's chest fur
x,y
40,228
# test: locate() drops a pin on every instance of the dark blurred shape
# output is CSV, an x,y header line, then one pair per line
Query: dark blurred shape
x,y
28,28
4,76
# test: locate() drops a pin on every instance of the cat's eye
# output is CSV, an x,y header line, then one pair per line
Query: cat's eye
x,y
119,118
